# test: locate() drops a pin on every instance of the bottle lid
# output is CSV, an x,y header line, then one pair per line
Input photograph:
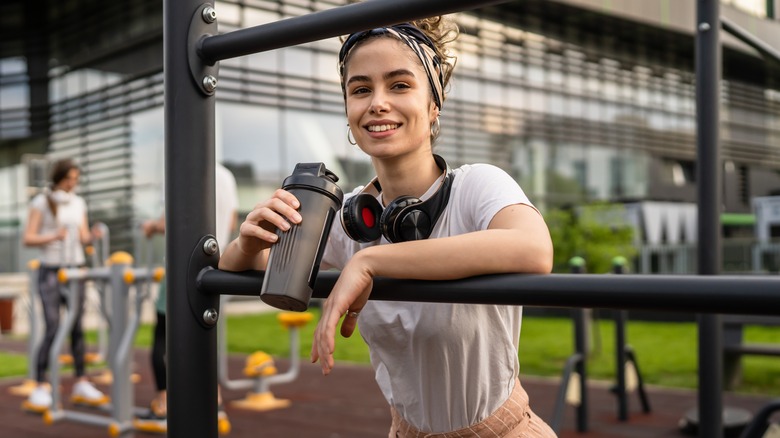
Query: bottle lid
x,y
314,176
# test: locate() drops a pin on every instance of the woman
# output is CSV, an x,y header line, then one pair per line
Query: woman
x,y
57,223
445,369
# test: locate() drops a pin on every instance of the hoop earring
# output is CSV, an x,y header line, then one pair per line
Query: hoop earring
x,y
349,136
435,128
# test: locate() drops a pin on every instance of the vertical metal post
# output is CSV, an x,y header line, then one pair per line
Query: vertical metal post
x,y
35,336
122,397
189,215
620,340
580,343
577,266
708,75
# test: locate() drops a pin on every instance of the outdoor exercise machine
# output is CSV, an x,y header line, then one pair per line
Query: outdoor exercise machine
x,y
576,365
260,369
35,334
34,318
193,47
98,254
573,386
119,275
626,364
734,346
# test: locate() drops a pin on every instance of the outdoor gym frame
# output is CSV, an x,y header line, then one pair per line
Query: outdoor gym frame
x,y
192,51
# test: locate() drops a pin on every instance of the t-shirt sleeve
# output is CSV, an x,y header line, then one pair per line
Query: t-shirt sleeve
x,y
484,191
82,204
39,203
338,248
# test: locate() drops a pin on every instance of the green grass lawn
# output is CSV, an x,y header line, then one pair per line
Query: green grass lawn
x,y
666,352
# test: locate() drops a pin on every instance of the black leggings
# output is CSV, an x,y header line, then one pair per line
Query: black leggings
x,y
52,298
158,353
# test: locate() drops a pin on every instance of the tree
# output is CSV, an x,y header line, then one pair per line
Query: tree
x,y
597,232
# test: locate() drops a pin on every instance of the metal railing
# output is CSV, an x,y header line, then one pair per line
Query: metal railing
x,y
192,50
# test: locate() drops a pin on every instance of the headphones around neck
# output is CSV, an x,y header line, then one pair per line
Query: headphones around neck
x,y
405,218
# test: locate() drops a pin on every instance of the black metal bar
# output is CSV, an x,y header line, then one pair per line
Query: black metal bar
x,y
751,40
577,266
326,24
620,370
560,401
189,215
581,348
708,187
760,423
620,352
739,295
640,381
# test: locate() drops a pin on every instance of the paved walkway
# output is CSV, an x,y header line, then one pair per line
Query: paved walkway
x,y
348,404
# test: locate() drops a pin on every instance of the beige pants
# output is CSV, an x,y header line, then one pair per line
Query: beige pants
x,y
513,419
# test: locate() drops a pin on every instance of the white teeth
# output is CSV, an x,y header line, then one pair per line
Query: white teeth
x,y
381,128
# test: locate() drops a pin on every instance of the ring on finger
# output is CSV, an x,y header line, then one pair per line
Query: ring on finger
x,y
352,314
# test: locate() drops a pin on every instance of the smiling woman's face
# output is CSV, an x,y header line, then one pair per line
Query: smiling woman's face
x,y
388,98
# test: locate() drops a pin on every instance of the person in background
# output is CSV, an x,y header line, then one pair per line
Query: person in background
x,y
445,369
227,216
57,224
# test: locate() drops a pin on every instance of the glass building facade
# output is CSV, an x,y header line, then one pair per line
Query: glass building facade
x,y
589,107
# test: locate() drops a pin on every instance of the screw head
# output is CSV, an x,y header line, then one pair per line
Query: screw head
x,y
209,14
210,246
209,83
210,316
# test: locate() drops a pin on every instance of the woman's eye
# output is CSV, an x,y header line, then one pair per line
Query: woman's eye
x,y
401,85
360,90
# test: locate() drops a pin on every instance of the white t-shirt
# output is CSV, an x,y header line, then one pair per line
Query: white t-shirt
x,y
71,213
226,204
443,366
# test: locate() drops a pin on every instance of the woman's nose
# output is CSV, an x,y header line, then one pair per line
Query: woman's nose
x,y
379,103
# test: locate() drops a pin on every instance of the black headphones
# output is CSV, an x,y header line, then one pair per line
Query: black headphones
x,y
406,218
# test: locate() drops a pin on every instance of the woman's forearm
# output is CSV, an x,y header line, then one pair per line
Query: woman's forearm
x,y
39,239
483,252
235,259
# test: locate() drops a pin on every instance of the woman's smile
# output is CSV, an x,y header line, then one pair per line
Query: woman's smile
x,y
382,128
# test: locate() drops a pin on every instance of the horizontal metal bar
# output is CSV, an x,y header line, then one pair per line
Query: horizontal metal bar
x,y
751,40
77,274
326,24
739,295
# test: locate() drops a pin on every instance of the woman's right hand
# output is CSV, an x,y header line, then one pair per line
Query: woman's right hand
x,y
258,231
62,234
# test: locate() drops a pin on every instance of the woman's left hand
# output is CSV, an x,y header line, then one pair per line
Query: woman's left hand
x,y
347,299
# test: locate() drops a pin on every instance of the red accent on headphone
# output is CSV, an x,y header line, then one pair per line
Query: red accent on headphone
x,y
368,217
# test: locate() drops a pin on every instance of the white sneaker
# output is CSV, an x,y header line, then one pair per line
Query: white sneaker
x,y
40,397
85,392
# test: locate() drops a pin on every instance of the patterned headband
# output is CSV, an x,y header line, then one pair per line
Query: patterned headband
x,y
416,40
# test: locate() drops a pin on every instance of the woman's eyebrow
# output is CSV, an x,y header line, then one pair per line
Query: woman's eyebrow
x,y
388,75
399,72
358,78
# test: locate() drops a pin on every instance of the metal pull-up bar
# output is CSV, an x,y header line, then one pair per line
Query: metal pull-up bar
x,y
766,50
757,295
192,49
327,24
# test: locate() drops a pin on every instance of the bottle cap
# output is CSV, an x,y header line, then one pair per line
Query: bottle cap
x,y
314,176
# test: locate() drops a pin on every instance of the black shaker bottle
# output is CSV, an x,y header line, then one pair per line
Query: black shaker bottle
x,y
295,258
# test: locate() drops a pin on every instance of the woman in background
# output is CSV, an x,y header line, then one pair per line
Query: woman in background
x,y
57,224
